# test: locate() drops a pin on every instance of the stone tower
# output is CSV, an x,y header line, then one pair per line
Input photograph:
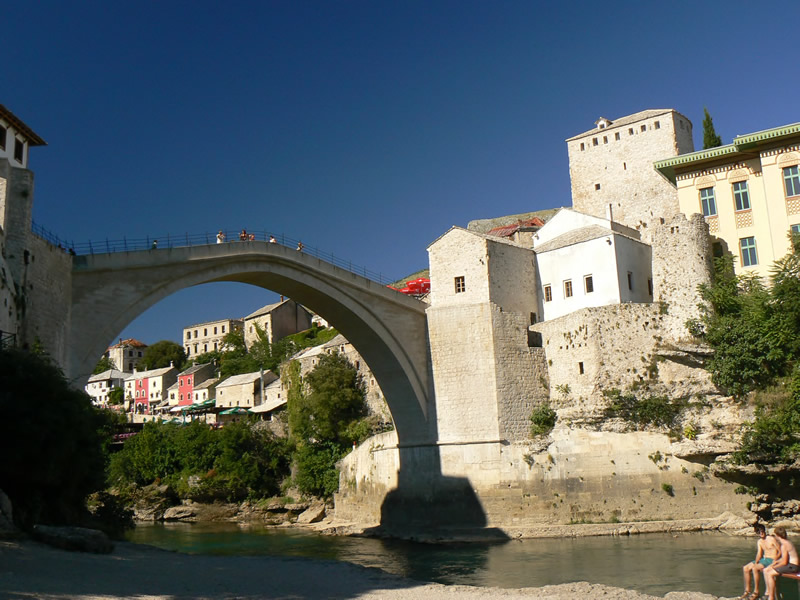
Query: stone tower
x,y
611,166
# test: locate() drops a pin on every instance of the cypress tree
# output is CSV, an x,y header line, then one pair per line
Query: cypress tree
x,y
710,137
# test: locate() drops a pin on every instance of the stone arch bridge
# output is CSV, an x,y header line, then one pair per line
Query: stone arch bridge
x,y
387,328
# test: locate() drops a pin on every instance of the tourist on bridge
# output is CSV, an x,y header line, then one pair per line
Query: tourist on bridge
x,y
220,237
300,246
243,236
272,240
155,245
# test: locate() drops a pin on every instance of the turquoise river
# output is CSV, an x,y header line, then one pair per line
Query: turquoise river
x,y
651,563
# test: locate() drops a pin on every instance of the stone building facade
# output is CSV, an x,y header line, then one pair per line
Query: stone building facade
x,y
277,320
612,165
208,337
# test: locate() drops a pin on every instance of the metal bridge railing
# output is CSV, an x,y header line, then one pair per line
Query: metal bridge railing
x,y
199,239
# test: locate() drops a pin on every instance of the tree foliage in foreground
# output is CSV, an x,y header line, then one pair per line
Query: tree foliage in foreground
x,y
327,411
54,442
236,462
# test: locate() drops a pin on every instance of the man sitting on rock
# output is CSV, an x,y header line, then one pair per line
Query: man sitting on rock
x,y
786,563
767,550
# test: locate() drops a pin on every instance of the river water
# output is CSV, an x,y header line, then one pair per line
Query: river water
x,y
652,563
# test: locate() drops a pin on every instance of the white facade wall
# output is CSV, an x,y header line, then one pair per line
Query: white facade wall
x,y
207,337
607,260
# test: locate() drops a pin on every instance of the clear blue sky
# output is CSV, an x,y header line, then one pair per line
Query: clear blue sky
x,y
365,128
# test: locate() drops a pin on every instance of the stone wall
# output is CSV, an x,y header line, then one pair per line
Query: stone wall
x,y
620,346
681,262
38,273
619,172
577,475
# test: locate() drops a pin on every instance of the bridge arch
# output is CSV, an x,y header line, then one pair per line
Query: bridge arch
x,y
388,329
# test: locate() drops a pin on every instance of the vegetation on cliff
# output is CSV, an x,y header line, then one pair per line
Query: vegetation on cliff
x,y
236,358
755,333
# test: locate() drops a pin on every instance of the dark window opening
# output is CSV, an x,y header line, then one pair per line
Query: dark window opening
x,y
3,133
533,318
19,146
534,339
580,368
630,280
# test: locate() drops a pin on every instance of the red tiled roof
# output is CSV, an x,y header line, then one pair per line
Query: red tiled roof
x,y
129,342
507,230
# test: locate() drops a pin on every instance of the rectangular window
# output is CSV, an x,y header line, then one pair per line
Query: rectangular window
x,y
650,286
795,228
461,285
644,127
791,179
19,146
580,368
583,146
568,288
616,136
741,195
630,280
630,131
533,318
588,284
708,201
748,248
2,138
657,125
215,331
548,293
605,139
223,329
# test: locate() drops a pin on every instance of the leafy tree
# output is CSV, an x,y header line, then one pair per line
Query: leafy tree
x,y
116,396
710,137
232,463
334,400
326,412
104,364
162,354
54,441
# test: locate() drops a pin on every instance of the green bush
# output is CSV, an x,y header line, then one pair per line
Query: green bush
x,y
231,464
315,468
649,411
543,419
54,442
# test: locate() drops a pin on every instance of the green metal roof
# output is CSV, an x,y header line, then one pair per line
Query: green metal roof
x,y
741,143
752,139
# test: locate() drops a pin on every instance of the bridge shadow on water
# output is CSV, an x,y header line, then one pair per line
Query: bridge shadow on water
x,y
430,506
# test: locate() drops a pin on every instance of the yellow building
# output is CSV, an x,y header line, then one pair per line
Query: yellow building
x,y
748,191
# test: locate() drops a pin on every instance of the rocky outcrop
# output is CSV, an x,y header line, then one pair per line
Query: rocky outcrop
x,y
313,514
74,538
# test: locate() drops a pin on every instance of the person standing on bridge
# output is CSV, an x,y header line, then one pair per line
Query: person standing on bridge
x,y
220,237
155,245
272,240
300,246
243,236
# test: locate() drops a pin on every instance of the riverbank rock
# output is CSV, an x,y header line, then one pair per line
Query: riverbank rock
x,y
74,538
313,514
179,513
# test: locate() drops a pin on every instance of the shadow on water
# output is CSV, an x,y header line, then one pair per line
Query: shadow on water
x,y
430,506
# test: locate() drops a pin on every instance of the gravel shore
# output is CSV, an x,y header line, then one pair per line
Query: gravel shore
x,y
30,570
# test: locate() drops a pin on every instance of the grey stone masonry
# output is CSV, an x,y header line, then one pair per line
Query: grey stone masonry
x,y
612,165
